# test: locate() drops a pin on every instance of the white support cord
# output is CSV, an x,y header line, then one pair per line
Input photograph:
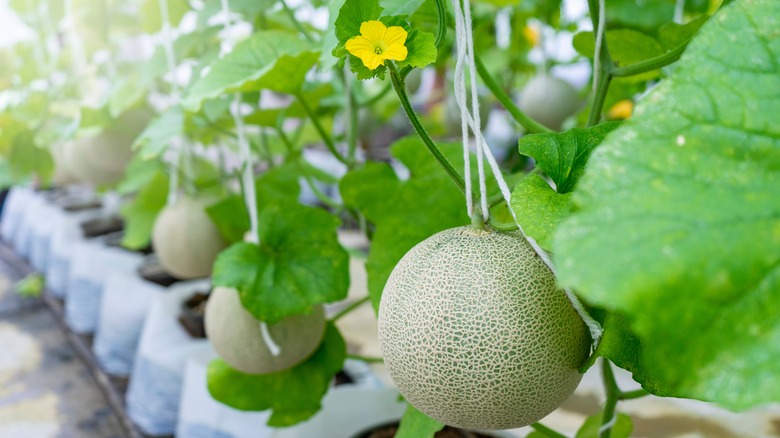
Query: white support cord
x,y
464,37
248,181
679,11
76,45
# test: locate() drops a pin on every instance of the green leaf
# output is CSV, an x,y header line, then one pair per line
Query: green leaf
x,y
292,395
140,213
352,15
230,214
159,133
152,20
539,209
30,286
677,227
415,424
400,7
626,47
404,212
563,156
273,59
297,265
28,159
673,35
590,429
126,94
421,48
640,14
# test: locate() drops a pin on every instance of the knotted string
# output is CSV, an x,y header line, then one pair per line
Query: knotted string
x,y
465,54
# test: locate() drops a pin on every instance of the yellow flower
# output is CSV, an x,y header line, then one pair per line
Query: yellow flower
x,y
376,43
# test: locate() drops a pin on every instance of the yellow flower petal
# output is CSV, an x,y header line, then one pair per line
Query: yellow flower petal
x,y
359,46
395,35
373,30
397,52
372,61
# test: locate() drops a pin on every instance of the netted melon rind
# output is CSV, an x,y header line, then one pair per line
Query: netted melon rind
x,y
476,334
236,336
185,239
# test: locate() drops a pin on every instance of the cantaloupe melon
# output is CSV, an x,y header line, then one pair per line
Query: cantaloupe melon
x,y
476,334
185,239
236,335
549,100
102,158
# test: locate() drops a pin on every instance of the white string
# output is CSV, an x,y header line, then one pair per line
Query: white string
x,y
76,45
248,178
679,11
177,144
464,37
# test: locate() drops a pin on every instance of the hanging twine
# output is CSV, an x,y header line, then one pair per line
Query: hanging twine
x,y
248,178
465,55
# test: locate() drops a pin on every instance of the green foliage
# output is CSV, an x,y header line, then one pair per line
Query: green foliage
x,y
626,47
31,285
152,18
539,208
428,200
621,429
695,169
159,133
140,213
292,395
273,60
297,265
563,156
415,424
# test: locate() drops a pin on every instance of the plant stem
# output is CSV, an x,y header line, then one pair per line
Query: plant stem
x,y
613,395
523,120
604,68
650,64
502,226
350,308
297,24
400,89
630,395
441,33
366,358
352,114
541,428
320,130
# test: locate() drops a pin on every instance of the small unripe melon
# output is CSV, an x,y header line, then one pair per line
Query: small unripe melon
x,y
476,334
185,239
549,100
236,335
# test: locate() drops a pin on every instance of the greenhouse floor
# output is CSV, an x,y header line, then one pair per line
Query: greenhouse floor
x,y
45,390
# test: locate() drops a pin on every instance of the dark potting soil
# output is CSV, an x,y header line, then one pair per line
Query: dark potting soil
x,y
151,270
101,226
191,314
389,431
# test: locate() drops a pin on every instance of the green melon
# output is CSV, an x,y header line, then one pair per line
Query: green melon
x,y
549,100
476,334
185,239
236,335
102,158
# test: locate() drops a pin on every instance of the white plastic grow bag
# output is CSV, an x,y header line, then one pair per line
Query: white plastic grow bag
x,y
13,210
201,416
126,301
50,217
65,238
156,381
92,263
22,237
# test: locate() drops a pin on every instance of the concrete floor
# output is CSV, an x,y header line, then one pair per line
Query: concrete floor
x,y
45,391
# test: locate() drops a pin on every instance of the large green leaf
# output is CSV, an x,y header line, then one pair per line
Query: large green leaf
x,y
404,212
539,209
140,213
275,60
677,227
415,424
297,265
626,47
562,156
292,395
400,7
591,428
159,133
